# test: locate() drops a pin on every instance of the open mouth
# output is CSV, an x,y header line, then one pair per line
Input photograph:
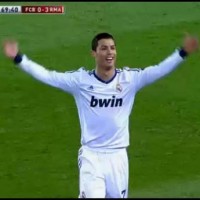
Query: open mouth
x,y
109,59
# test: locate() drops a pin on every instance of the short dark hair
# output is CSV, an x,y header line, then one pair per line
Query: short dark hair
x,y
98,37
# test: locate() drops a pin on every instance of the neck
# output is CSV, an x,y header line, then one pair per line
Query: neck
x,y
105,75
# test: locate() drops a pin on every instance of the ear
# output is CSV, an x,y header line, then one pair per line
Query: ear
x,y
93,53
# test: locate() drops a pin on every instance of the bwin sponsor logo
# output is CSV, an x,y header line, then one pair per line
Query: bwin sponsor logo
x,y
113,102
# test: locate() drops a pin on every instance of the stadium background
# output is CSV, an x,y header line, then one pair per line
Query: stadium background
x,y
39,127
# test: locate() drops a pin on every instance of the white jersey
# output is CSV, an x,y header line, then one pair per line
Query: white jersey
x,y
103,107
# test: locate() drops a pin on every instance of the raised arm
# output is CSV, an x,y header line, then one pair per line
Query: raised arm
x,y
152,73
65,81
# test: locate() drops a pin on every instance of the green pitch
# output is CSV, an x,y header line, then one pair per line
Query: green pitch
x,y
39,127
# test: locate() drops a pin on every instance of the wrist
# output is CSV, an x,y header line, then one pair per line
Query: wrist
x,y
18,58
183,53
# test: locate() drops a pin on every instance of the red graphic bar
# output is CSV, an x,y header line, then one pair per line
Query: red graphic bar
x,y
43,9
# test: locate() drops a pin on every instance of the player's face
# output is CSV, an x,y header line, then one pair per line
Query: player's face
x,y
105,54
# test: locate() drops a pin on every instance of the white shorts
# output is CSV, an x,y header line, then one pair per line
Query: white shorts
x,y
103,175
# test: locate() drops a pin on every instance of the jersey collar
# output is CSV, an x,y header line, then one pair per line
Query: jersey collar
x,y
98,78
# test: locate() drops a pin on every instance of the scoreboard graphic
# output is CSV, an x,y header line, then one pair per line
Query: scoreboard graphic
x,y
32,10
